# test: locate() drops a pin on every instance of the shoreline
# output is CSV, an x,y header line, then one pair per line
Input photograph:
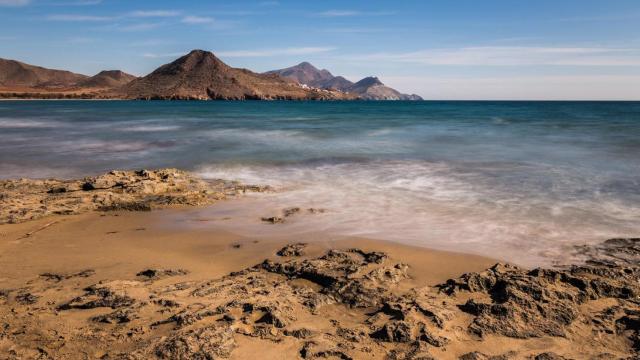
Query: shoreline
x,y
115,284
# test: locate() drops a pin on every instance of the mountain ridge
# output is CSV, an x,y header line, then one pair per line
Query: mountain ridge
x,y
198,75
369,88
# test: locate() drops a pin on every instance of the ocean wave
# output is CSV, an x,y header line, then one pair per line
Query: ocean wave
x,y
11,123
433,204
150,128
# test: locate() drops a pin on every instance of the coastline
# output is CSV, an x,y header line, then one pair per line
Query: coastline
x,y
116,284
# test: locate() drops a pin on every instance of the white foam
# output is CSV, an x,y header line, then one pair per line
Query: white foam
x,y
431,205
9,123
150,128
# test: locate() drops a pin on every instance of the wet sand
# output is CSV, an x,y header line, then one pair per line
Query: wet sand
x,y
118,245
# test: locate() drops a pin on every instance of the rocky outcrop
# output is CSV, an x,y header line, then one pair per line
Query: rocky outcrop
x,y
346,304
26,199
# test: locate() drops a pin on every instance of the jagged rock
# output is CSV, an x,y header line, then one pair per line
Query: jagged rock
x,y
273,219
383,318
618,251
156,274
302,333
290,211
292,250
112,294
25,199
119,316
27,298
59,277
403,331
205,343
539,302
316,350
475,355
549,356
335,272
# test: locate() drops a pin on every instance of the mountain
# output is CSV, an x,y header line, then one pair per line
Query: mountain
x,y
370,88
200,75
15,74
305,73
108,79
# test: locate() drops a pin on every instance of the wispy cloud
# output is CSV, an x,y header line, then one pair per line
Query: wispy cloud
x,y
275,52
80,3
346,13
15,3
80,40
79,18
353,30
513,56
164,55
98,18
197,20
154,13
250,53
524,87
138,27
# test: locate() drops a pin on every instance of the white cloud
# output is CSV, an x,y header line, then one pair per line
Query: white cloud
x,y
138,27
154,13
250,53
197,20
275,52
166,55
82,3
513,56
79,18
14,2
533,87
346,13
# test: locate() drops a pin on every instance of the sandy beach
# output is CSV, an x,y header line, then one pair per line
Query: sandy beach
x,y
103,282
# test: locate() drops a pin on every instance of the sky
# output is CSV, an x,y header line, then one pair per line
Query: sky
x,y
439,49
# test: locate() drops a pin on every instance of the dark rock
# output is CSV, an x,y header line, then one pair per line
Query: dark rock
x,y
88,186
117,317
273,220
302,333
206,343
315,350
290,211
100,295
59,277
476,355
126,206
549,356
57,190
292,250
156,274
27,298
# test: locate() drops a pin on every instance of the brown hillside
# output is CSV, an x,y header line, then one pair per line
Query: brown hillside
x,y
15,74
200,75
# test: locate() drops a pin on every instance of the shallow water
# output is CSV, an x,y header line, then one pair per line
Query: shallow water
x,y
522,181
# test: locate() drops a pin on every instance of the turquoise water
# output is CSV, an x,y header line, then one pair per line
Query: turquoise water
x,y
519,180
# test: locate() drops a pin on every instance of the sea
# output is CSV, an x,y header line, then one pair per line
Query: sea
x,y
524,182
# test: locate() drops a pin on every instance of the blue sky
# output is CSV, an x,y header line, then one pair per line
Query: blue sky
x,y
440,49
